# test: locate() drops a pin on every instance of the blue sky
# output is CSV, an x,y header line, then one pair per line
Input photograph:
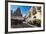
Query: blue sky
x,y
24,9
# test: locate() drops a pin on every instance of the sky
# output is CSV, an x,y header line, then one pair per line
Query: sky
x,y
24,9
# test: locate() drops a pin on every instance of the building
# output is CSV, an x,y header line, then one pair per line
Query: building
x,y
34,13
16,17
18,12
